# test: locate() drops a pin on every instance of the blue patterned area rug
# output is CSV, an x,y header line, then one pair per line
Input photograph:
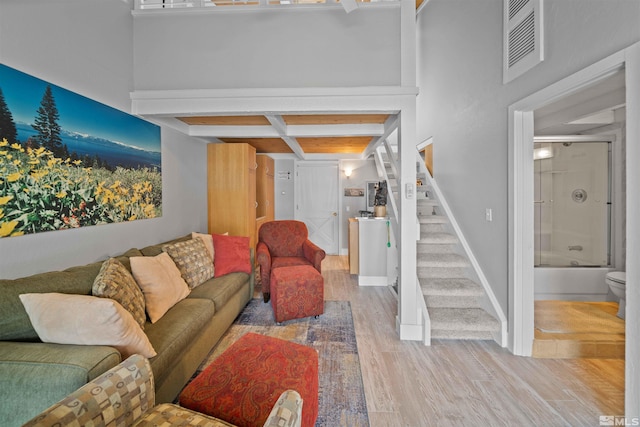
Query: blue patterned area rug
x,y
341,393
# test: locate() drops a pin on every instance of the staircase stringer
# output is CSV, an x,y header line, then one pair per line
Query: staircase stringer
x,y
490,302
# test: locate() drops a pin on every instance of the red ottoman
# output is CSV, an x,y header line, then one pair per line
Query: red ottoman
x,y
296,292
243,384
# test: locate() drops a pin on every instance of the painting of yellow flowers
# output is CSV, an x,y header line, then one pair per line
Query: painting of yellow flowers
x,y
67,161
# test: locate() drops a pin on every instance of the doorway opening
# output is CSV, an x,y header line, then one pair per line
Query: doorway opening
x,y
555,110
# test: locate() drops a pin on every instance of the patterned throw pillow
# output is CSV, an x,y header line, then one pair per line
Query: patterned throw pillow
x,y
192,259
116,282
207,239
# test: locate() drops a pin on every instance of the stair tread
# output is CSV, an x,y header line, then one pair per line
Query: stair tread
x,y
430,237
455,319
454,286
442,260
461,335
433,219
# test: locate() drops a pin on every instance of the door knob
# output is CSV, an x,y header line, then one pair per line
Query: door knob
x,y
335,214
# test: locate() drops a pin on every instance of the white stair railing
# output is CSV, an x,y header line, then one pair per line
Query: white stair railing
x,y
392,202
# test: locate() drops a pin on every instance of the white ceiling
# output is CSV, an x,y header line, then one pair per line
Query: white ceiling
x,y
590,108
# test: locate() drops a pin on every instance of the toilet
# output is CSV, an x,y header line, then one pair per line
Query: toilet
x,y
617,281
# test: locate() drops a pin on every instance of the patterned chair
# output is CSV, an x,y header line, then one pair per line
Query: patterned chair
x,y
283,244
125,396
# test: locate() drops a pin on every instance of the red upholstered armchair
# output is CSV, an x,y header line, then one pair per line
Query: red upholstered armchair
x,y
282,244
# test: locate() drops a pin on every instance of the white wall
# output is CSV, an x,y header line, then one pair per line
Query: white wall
x,y
463,103
284,189
283,47
86,47
363,171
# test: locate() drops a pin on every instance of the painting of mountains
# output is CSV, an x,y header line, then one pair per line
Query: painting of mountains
x,y
67,161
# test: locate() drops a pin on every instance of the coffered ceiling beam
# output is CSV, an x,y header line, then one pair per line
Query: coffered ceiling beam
x,y
390,125
280,126
367,129
234,131
294,131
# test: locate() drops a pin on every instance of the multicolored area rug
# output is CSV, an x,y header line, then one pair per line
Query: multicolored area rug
x,y
341,393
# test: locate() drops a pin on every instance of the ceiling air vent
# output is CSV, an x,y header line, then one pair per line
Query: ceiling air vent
x,y
522,38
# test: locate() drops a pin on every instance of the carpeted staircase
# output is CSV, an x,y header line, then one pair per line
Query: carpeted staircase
x,y
452,298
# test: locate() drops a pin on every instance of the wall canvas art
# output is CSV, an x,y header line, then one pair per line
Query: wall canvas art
x,y
67,161
354,192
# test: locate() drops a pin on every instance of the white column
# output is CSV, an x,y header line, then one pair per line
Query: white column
x,y
409,320
632,349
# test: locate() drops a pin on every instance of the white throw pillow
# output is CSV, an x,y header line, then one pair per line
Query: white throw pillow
x,y
161,283
86,320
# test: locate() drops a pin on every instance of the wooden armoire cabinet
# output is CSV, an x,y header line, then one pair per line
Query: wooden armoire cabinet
x,y
231,183
264,187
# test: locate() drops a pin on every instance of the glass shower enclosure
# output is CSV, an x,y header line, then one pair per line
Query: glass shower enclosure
x,y
572,206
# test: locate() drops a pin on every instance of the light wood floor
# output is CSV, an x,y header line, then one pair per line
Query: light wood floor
x,y
570,329
466,383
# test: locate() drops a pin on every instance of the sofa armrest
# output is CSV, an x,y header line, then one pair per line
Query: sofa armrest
x,y
287,411
313,254
124,393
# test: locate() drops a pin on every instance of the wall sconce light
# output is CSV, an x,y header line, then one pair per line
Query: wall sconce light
x,y
348,172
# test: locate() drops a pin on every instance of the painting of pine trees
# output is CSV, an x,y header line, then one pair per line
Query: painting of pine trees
x,y
67,161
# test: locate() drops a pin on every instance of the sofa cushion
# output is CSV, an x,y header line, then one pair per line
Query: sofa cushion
x,y
124,258
34,376
232,254
192,259
119,397
154,250
14,321
85,320
161,283
173,334
168,414
288,261
116,282
220,289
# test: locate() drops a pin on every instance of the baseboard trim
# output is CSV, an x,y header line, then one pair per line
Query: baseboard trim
x,y
409,332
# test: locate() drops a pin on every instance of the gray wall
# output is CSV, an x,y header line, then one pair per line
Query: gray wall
x,y
283,47
86,47
463,104
284,187
363,171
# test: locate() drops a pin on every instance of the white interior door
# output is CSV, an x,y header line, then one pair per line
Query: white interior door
x,y
317,202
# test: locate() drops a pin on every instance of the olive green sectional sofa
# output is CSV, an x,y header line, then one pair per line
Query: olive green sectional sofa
x,y
35,375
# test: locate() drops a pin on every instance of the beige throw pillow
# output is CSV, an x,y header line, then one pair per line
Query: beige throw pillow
x,y
116,282
207,239
161,283
192,259
85,320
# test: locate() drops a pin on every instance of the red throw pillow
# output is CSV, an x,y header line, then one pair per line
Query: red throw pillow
x,y
231,254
